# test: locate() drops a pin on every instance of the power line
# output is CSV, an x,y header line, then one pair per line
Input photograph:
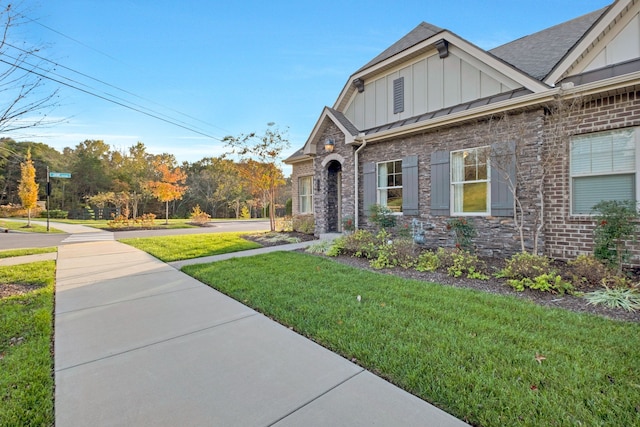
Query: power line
x,y
95,89
107,83
155,116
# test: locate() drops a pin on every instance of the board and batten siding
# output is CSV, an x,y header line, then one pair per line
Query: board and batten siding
x,y
623,47
430,84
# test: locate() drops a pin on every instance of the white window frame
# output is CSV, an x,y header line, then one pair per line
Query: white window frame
x,y
302,195
380,189
636,133
454,182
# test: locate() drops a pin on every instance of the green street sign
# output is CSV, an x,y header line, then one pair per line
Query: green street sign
x,y
59,175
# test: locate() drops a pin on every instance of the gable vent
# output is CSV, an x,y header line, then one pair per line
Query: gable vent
x,y
398,95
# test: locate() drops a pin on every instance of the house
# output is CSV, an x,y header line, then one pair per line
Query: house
x,y
526,137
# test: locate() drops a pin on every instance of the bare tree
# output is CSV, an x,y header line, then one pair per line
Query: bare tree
x,y
526,161
24,99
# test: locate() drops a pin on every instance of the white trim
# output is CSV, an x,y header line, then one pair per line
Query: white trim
x,y
310,145
427,46
331,157
453,183
581,51
378,188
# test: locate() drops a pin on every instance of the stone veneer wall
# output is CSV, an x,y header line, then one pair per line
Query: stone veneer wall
x,y
324,206
496,236
571,235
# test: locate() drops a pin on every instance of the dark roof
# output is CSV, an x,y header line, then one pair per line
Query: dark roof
x,y
299,154
344,121
419,34
538,53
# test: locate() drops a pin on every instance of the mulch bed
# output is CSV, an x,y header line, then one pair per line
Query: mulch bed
x,y
9,290
499,286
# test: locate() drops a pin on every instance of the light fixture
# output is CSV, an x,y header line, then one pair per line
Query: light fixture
x,y
329,145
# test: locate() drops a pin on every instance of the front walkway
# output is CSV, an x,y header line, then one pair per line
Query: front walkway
x,y
138,343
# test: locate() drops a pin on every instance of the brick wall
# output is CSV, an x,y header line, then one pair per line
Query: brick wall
x,y
570,235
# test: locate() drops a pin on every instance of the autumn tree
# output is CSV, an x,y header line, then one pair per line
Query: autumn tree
x,y
28,189
169,186
265,149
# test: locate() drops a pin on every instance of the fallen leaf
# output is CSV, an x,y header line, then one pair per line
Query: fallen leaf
x,y
539,358
533,387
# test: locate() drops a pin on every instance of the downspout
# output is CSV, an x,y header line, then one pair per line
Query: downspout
x,y
357,189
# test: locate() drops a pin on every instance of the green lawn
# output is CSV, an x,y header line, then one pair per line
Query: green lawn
x,y
21,252
176,248
488,359
102,223
22,226
26,365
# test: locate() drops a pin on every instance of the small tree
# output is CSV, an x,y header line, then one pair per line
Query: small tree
x,y
267,150
616,223
28,189
169,187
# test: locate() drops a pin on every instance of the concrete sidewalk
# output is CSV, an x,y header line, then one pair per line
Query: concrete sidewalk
x,y
138,343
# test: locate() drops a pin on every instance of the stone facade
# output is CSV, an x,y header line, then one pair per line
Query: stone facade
x,y
496,236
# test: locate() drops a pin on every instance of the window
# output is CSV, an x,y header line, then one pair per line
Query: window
x,y
603,167
390,185
470,181
305,192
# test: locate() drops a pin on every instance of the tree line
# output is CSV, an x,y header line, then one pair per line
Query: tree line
x,y
133,182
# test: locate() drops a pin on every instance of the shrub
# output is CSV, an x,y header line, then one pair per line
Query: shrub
x,y
382,216
547,282
525,265
348,224
118,222
427,261
304,224
55,213
284,224
10,210
322,247
198,216
245,213
468,264
628,299
399,252
588,271
463,232
616,222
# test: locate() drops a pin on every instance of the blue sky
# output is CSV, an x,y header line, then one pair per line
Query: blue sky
x,y
226,68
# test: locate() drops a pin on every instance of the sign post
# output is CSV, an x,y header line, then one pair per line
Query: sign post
x,y
53,175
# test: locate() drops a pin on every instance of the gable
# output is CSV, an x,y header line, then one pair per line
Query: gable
x,y
621,45
430,83
613,39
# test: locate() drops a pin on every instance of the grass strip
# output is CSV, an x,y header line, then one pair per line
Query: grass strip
x,y
488,359
176,248
26,365
22,226
10,253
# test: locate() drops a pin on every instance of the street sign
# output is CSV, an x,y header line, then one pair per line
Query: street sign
x,y
59,175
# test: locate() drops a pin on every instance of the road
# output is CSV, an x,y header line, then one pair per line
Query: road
x,y
20,240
